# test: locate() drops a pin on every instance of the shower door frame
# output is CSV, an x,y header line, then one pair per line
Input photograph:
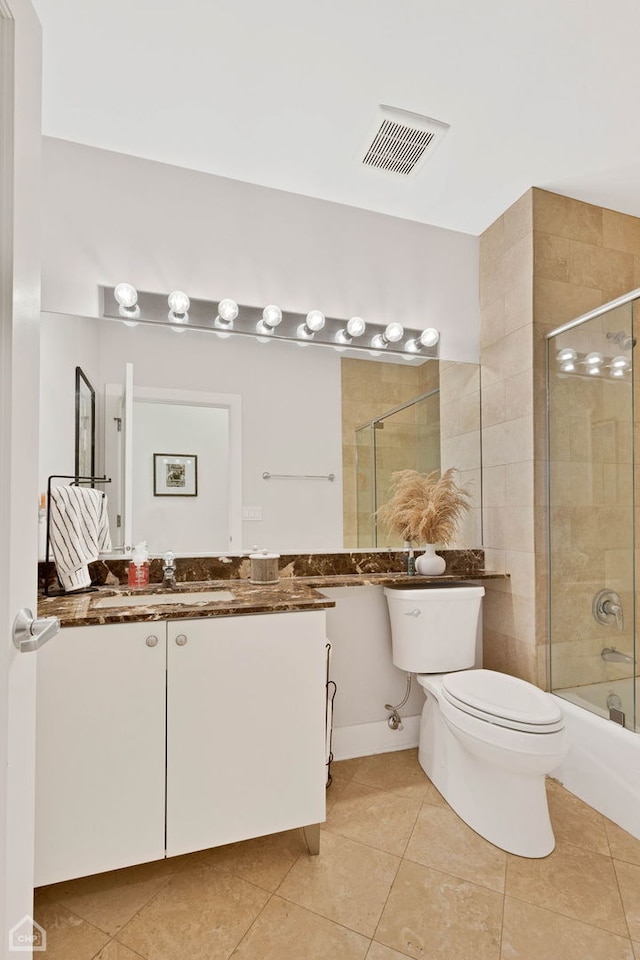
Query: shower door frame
x,y
627,298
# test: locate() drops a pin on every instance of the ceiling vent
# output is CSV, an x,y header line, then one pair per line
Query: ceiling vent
x,y
402,140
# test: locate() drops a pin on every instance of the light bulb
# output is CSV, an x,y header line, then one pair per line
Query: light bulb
x,y
394,332
355,328
227,313
314,321
127,299
126,295
594,368
568,366
179,304
617,372
593,358
228,310
620,362
568,353
428,338
271,317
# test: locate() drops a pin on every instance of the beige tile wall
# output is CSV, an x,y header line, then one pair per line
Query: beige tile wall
x,y
547,260
370,389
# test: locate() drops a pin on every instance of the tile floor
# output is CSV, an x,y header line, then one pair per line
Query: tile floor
x,y
399,875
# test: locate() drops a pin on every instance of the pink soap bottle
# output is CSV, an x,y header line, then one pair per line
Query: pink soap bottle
x,y
139,566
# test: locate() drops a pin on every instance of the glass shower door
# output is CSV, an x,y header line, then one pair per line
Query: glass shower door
x,y
591,425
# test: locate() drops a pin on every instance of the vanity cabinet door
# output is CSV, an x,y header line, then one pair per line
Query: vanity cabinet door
x,y
100,750
245,727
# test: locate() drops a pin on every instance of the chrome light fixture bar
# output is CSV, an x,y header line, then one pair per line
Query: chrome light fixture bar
x,y
225,318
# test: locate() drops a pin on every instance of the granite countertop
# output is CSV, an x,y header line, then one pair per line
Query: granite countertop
x,y
286,595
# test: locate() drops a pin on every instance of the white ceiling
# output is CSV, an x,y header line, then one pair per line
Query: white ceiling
x,y
283,93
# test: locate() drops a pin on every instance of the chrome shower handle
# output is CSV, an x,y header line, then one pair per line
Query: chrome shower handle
x,y
607,608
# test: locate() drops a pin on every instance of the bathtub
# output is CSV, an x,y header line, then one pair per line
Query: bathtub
x,y
602,766
594,697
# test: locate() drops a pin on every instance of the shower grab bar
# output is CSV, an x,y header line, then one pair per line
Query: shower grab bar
x,y
616,656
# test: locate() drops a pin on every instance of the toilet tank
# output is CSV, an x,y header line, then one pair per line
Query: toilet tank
x,y
435,629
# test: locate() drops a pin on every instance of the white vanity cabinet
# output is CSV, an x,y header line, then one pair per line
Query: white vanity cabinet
x,y
246,732
223,718
100,750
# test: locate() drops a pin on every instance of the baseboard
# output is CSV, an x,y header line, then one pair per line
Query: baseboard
x,y
365,739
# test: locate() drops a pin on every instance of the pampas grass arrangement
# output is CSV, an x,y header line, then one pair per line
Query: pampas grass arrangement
x,y
425,508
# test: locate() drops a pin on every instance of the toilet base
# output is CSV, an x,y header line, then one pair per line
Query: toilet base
x,y
507,808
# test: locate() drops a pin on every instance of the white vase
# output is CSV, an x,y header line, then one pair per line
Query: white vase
x,y
429,564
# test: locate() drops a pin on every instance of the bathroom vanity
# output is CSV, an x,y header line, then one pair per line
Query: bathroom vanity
x,y
142,751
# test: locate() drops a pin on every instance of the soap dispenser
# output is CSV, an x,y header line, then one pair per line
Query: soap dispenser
x,y
139,566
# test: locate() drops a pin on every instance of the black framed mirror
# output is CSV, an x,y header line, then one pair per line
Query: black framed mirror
x,y
85,426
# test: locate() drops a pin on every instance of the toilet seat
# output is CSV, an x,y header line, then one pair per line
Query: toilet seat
x,y
500,699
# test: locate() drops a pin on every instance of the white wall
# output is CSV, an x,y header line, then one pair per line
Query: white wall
x,y
109,217
199,523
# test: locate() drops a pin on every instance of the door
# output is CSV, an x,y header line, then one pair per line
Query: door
x,y
245,727
100,756
20,144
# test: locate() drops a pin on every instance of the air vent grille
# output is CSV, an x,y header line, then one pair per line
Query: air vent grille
x,y
402,141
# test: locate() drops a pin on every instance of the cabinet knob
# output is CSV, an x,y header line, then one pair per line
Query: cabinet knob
x,y
151,641
181,639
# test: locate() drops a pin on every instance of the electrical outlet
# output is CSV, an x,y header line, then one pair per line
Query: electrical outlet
x,y
252,513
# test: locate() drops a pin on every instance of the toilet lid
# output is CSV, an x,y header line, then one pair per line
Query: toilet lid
x,y
502,699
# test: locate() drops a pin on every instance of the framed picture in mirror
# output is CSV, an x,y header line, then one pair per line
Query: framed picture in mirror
x,y
175,475
85,460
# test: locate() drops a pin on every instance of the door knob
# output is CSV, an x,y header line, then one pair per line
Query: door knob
x,y
30,634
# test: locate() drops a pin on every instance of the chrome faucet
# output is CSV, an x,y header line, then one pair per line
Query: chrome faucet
x,y
169,571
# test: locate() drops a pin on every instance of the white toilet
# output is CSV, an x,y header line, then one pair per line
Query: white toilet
x,y
487,740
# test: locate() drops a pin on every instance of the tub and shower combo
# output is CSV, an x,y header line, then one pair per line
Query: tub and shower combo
x,y
594,558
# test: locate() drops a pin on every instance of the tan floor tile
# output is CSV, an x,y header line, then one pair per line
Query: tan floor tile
x,y
335,791
373,816
68,936
430,914
572,881
116,951
284,931
349,882
575,821
531,933
442,841
629,879
109,900
623,845
345,769
202,913
377,951
397,772
264,861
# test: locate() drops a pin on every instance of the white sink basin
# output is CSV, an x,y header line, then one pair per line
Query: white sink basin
x,y
155,599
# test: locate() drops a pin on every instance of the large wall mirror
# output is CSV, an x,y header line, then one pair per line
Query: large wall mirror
x,y
307,414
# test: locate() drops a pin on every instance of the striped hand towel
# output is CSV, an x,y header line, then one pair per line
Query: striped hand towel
x,y
79,532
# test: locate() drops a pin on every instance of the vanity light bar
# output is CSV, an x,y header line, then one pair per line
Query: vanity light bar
x,y
226,318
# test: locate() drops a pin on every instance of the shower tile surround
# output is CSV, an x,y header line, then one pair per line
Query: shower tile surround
x,y
544,262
